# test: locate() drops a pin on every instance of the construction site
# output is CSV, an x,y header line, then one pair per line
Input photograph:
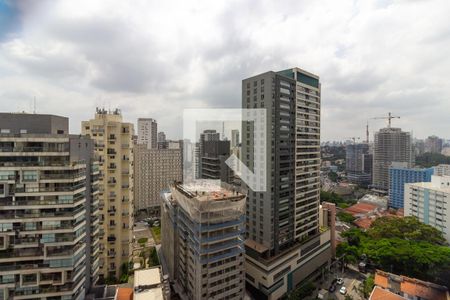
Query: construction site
x,y
203,227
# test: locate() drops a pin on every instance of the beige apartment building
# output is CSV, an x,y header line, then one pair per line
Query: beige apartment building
x,y
114,147
154,170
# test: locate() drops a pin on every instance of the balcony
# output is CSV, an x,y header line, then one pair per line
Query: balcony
x,y
55,189
18,254
26,242
30,215
64,252
34,149
47,290
111,151
98,130
39,227
18,203
44,176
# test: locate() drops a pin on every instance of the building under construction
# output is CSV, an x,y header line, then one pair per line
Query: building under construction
x,y
390,145
203,240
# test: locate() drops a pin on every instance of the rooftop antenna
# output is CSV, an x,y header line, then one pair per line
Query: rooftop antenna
x,y
223,130
367,132
34,105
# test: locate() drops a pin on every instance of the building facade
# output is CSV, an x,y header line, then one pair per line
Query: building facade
x,y
391,145
212,163
235,141
147,132
284,245
399,175
113,146
442,170
430,202
203,242
205,136
48,209
154,170
433,144
358,164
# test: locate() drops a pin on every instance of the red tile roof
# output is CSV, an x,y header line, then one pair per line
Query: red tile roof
x,y
382,294
364,223
412,286
124,294
360,208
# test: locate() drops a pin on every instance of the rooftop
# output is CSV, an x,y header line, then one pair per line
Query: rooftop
x,y
145,277
255,246
153,294
430,186
382,294
411,286
124,294
361,208
204,191
364,222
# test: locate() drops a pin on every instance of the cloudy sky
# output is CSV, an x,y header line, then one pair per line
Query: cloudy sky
x,y
155,58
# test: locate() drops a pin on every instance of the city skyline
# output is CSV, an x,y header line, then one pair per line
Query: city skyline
x,y
371,58
224,150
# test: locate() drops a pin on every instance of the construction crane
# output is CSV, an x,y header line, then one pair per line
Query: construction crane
x,y
389,118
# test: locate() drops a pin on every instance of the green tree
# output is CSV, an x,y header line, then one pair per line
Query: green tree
x,y
366,287
110,280
331,197
302,292
428,160
408,228
333,176
345,217
402,246
124,273
153,259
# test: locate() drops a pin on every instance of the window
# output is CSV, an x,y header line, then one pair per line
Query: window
x,y
30,176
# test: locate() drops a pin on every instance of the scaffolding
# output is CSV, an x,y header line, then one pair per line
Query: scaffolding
x,y
211,222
